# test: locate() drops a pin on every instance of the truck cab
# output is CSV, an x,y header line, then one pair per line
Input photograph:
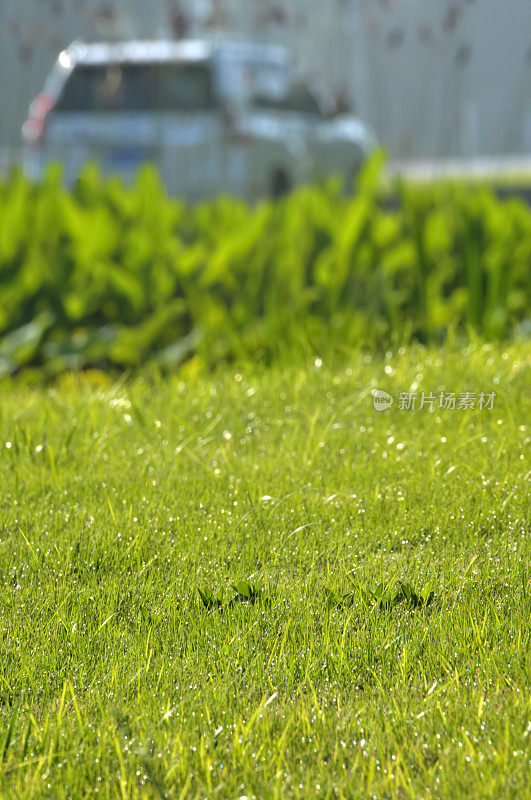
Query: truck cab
x,y
214,117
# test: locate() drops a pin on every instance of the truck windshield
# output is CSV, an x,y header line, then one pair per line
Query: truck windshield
x,y
138,87
298,98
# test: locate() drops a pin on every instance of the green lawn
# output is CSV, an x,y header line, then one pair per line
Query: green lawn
x,y
120,501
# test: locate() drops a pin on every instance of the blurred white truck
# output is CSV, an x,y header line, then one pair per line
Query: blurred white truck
x,y
213,116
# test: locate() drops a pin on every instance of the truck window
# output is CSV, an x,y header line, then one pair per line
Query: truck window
x,y
138,87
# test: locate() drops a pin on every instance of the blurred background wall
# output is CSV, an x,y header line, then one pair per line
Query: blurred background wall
x,y
434,77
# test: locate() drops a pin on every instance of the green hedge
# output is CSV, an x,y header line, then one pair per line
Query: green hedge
x,y
111,275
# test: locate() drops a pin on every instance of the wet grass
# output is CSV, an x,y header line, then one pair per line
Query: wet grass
x,y
255,585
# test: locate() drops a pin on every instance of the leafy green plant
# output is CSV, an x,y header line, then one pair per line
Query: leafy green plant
x,y
109,275
247,592
211,600
383,596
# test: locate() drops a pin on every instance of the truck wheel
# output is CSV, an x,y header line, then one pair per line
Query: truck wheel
x,y
280,182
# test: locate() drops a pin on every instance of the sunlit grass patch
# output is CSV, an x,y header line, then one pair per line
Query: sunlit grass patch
x,y
258,585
